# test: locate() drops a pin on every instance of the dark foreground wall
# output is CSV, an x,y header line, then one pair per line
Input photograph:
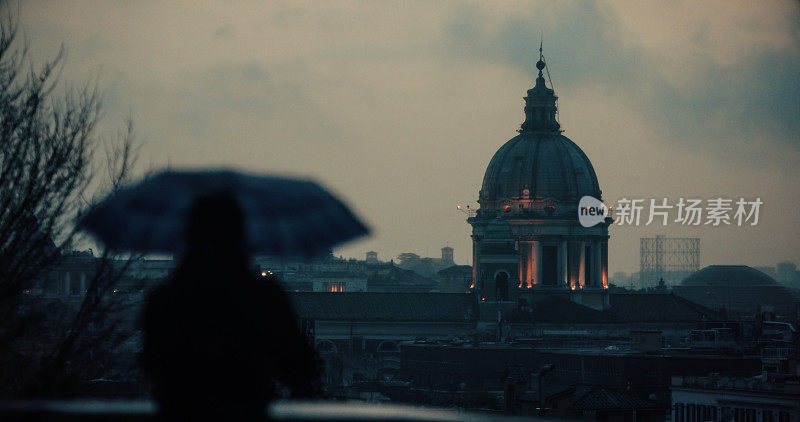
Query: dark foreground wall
x,y
130,411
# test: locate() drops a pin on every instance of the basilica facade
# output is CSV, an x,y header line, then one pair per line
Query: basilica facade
x,y
527,239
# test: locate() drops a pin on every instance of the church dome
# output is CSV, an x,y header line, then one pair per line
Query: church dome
x,y
729,276
737,288
540,163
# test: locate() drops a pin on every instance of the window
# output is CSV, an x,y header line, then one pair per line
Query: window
x,y
549,265
679,412
501,285
587,268
333,287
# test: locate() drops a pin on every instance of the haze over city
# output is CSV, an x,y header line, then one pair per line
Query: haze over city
x,y
399,109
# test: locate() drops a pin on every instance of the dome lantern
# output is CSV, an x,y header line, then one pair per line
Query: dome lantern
x,y
540,104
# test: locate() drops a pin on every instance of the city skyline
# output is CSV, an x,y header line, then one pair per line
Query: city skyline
x,y
399,110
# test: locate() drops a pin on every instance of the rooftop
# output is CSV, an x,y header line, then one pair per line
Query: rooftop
x,y
379,306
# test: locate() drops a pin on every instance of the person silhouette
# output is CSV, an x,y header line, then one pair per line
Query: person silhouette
x,y
217,336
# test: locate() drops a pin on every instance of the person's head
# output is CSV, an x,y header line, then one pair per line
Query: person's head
x,y
215,229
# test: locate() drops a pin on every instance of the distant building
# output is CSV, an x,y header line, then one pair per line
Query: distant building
x,y
552,316
719,398
337,275
446,368
787,273
427,267
455,279
447,256
372,257
580,401
391,278
339,282
70,277
358,334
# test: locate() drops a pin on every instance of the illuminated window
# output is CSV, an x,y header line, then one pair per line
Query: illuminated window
x,y
334,287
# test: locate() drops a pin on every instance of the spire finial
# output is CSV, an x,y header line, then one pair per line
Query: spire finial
x,y
540,64
541,39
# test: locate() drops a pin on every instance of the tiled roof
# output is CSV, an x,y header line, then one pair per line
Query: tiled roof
x,y
557,310
373,306
657,307
625,307
593,398
456,269
396,279
394,306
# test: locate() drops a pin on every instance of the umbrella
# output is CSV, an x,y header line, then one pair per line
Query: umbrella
x,y
283,217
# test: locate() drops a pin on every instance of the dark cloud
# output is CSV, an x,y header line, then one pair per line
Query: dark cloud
x,y
723,105
400,108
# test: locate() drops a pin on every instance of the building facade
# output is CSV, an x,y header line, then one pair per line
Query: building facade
x,y
718,398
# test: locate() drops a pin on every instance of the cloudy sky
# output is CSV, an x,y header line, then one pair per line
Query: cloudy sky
x,y
399,106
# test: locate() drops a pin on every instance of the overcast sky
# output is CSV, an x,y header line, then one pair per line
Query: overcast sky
x,y
399,106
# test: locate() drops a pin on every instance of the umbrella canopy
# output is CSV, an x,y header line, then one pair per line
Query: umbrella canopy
x,y
282,217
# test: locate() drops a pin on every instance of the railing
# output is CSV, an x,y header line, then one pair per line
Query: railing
x,y
129,410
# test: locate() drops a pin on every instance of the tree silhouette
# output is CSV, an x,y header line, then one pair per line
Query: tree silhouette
x,y
47,166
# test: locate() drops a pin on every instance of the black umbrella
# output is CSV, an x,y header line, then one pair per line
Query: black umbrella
x,y
283,217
